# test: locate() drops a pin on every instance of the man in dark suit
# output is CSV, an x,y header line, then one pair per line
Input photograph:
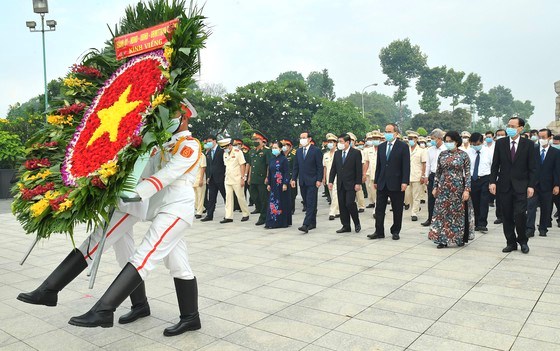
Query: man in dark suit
x,y
392,176
215,176
548,173
308,166
514,171
347,169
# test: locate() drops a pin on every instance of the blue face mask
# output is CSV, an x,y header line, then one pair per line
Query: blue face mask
x,y
411,143
208,145
432,143
534,138
376,142
276,152
477,147
389,137
556,146
511,132
450,146
489,140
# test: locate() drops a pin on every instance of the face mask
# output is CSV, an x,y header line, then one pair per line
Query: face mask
x,y
330,146
351,144
256,143
284,148
422,145
432,143
174,125
411,143
360,147
369,143
556,146
389,137
477,147
450,146
226,150
376,142
465,140
511,132
237,147
489,140
534,138
208,145
543,142
341,146
303,142
276,152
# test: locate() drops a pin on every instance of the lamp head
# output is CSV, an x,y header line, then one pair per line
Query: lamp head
x,y
31,24
40,6
51,24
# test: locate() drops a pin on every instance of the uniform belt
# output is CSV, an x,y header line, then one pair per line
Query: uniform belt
x,y
482,177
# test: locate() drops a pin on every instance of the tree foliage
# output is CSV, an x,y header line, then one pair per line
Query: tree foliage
x,y
289,76
453,86
379,109
340,117
321,85
458,120
429,86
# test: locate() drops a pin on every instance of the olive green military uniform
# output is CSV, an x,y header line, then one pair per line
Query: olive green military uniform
x,y
257,188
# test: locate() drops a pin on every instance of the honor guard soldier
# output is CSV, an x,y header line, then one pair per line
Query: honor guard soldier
x,y
290,153
260,158
236,175
169,187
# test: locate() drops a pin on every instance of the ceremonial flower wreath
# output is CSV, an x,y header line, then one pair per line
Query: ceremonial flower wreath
x,y
78,164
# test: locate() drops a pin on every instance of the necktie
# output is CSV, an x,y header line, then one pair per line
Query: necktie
x,y
304,152
388,150
343,156
476,164
542,156
512,150
213,152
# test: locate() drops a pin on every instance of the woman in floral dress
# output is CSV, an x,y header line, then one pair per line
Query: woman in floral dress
x,y
279,212
452,221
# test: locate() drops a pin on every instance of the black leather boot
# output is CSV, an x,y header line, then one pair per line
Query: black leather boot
x,y
187,296
140,307
101,314
47,293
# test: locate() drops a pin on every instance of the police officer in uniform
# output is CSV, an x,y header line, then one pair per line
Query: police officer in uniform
x,y
260,158
235,180
290,153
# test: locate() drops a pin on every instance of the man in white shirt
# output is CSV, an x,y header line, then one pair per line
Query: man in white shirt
x,y
481,163
431,168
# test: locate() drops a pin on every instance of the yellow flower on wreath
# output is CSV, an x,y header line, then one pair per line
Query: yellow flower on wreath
x,y
108,169
167,52
72,82
65,205
51,195
43,175
39,207
59,120
160,99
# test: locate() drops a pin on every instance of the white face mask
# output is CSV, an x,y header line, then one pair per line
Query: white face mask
x,y
341,146
303,142
285,148
174,125
544,142
465,140
330,146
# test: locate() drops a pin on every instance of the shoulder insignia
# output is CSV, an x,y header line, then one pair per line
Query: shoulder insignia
x,y
187,152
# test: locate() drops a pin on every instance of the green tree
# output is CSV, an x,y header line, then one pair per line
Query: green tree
x,y
380,109
11,148
458,120
472,89
212,111
484,105
429,86
321,85
401,62
339,117
289,76
453,86
523,109
502,102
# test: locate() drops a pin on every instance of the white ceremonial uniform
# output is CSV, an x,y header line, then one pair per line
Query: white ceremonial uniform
x,y
328,158
200,190
233,162
169,189
415,190
370,155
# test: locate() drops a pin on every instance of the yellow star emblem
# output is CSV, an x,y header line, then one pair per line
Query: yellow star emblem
x,y
110,118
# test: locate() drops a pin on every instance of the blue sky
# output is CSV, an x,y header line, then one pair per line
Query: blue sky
x,y
513,43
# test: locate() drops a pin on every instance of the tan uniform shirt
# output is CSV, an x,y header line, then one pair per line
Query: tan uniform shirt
x,y
370,154
417,157
233,162
201,172
327,162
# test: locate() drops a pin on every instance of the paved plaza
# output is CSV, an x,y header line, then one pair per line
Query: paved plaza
x,y
283,290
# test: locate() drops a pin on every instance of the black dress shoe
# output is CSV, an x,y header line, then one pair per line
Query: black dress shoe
x,y
304,209
441,246
524,248
422,201
509,248
376,236
304,229
483,229
414,218
530,233
426,224
542,233
198,216
226,220
406,207
358,228
370,206
396,236
245,219
206,219
461,244
313,226
338,216
476,229
361,210
259,222
255,212
344,230
498,221
331,218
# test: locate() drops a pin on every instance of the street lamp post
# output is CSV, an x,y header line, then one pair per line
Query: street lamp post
x,y
42,7
363,90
